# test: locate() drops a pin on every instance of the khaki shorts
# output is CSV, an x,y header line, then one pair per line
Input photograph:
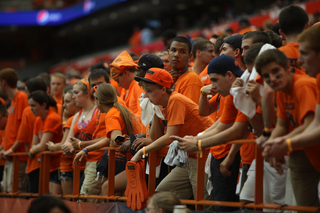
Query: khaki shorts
x,y
7,180
90,185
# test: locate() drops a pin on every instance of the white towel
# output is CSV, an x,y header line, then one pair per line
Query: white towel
x,y
176,156
207,170
148,110
243,101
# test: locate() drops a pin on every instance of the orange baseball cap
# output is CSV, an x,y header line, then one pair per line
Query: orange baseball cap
x,y
122,63
158,76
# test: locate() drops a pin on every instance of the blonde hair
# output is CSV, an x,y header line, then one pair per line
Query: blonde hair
x,y
59,75
311,36
84,88
165,200
107,95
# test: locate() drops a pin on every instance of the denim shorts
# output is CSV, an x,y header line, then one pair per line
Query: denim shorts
x,y
66,175
54,177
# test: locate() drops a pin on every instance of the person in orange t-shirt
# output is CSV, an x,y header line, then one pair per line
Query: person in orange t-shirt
x,y
182,119
123,71
232,125
25,134
202,51
293,20
47,127
120,121
19,101
66,169
3,122
57,84
295,113
186,81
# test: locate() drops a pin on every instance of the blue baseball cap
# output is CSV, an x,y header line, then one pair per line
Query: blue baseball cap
x,y
224,63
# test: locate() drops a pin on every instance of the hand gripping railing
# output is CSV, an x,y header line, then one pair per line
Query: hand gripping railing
x,y
199,201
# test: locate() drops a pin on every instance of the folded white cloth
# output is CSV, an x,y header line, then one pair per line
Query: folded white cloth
x,y
176,156
207,170
243,101
148,110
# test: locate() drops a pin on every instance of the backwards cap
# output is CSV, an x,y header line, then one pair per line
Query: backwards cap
x,y
157,76
148,61
122,63
224,63
235,41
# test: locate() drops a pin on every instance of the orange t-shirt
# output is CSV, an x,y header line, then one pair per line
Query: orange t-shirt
x,y
204,77
2,162
114,121
182,111
296,104
25,135
291,50
313,151
52,123
58,100
131,98
18,104
66,162
217,101
229,115
189,85
118,88
84,132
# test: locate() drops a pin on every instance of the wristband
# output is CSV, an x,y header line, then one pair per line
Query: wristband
x,y
199,147
79,145
265,133
31,150
202,93
144,151
266,129
289,144
11,150
85,150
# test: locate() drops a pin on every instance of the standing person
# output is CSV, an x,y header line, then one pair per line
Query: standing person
x,y
294,115
47,127
186,82
66,170
119,121
57,84
19,101
82,127
182,119
123,71
25,134
203,52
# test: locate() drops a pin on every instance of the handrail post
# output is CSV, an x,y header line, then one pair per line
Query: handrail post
x,y
258,196
200,181
76,180
44,173
15,182
111,172
152,172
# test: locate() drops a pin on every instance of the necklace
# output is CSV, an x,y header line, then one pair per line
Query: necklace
x,y
85,114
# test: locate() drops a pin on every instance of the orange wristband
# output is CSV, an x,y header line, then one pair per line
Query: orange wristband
x,y
32,151
11,150
199,147
289,144
144,151
267,129
79,145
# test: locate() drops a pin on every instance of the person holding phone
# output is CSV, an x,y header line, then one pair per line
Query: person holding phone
x,y
120,121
